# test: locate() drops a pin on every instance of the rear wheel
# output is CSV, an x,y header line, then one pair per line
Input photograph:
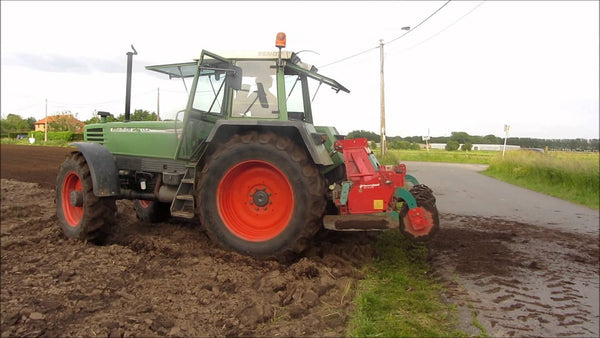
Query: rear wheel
x,y
430,217
151,211
81,214
261,195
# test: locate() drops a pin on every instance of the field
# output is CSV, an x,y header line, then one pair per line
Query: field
x,y
169,279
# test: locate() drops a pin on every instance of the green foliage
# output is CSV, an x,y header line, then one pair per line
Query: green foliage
x,y
466,147
398,298
389,158
460,137
15,123
571,176
452,145
404,145
138,115
440,155
63,121
93,120
369,135
66,136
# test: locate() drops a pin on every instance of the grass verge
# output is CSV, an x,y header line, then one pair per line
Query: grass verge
x,y
438,155
25,142
399,298
570,176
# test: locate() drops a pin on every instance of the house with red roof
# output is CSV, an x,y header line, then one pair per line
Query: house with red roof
x,y
62,122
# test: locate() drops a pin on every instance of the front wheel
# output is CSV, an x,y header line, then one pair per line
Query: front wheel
x,y
81,214
261,195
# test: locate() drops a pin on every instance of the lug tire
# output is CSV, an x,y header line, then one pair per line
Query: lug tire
x,y
151,211
262,196
426,200
95,215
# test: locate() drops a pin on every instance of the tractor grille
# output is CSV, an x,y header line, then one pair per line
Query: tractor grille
x,y
94,135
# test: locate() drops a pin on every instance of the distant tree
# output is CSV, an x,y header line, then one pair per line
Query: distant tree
x,y
405,145
15,123
466,147
492,139
31,123
139,115
452,145
460,137
369,135
63,121
94,119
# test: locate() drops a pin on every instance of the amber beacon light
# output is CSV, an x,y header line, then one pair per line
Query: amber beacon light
x,y
280,40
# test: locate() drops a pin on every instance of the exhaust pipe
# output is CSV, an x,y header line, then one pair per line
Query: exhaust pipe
x,y
128,88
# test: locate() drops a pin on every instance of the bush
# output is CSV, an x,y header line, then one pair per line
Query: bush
x,y
466,147
404,145
54,135
452,145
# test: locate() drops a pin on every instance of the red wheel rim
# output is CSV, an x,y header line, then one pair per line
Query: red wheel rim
x,y
73,214
144,203
255,200
424,224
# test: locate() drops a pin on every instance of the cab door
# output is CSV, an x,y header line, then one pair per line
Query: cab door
x,y
208,102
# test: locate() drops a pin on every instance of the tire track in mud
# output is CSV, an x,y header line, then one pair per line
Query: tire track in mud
x,y
521,280
163,279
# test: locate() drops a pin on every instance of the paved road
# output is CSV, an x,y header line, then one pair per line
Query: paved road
x,y
460,189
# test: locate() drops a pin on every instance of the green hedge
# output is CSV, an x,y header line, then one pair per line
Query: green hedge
x,y
54,135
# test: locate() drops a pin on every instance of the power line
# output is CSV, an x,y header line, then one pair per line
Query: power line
x,y
420,23
376,47
349,57
450,25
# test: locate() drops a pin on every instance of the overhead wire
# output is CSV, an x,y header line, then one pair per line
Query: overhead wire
x,y
420,23
445,28
376,47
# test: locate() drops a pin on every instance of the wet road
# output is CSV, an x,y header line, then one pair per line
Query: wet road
x,y
460,189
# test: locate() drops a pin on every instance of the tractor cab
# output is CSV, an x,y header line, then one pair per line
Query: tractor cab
x,y
255,87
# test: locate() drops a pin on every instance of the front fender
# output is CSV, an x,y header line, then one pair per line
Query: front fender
x,y
105,177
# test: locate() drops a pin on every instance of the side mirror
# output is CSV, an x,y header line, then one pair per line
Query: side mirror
x,y
234,78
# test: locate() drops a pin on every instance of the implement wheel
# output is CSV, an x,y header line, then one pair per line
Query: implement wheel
x,y
430,219
81,214
261,195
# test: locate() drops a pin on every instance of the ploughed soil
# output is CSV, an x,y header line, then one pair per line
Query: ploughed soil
x,y
169,279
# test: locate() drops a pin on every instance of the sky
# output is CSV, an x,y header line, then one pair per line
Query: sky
x,y
473,66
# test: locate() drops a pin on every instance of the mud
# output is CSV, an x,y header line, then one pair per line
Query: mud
x,y
169,280
164,279
518,279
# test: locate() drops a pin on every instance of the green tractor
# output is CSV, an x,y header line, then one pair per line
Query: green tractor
x,y
246,160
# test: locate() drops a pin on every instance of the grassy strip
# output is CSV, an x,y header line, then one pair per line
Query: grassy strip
x,y
438,155
570,176
25,142
398,298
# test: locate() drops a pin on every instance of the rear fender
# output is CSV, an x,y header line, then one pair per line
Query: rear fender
x,y
303,132
105,177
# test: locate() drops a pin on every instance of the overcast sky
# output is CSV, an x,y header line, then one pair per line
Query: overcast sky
x,y
471,67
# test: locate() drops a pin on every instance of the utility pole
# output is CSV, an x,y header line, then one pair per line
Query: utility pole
x,y
382,123
46,124
506,128
158,104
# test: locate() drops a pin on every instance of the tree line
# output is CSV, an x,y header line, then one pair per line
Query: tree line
x,y
14,123
460,137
